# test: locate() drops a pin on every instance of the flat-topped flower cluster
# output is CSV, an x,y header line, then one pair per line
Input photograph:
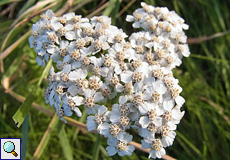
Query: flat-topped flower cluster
x,y
96,61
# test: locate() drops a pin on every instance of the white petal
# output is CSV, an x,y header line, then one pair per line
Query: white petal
x,y
91,111
129,18
128,151
112,141
102,109
70,35
111,150
82,73
160,153
136,25
78,100
66,68
69,27
144,121
117,70
158,121
73,76
143,108
119,87
98,97
168,104
127,138
114,118
77,111
180,100
55,57
67,111
91,125
145,145
39,60
126,77
122,99
104,129
75,64
152,153
104,71
137,87
73,90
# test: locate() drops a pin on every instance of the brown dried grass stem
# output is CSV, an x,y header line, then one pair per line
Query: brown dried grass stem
x,y
205,38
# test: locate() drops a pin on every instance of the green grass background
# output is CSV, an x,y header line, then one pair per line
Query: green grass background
x,y
204,131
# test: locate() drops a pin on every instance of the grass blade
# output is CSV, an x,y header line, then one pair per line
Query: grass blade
x,y
65,142
96,147
110,7
189,143
25,129
27,5
24,109
7,51
3,2
45,139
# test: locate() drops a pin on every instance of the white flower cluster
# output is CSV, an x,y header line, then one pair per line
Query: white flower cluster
x,y
95,64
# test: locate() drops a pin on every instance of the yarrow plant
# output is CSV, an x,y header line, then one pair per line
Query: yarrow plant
x,y
96,61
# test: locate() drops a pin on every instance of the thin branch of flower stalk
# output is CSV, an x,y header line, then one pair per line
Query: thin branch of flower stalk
x,y
218,108
125,8
98,10
7,51
205,38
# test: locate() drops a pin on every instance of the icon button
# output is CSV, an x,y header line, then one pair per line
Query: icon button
x,y
9,147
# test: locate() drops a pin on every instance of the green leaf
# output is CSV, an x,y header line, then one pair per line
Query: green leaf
x,y
24,109
96,147
66,148
25,129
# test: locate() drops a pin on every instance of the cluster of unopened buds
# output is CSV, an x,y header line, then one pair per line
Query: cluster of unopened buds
x,y
96,62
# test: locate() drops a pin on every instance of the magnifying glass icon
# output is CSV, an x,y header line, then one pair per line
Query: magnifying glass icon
x,y
9,147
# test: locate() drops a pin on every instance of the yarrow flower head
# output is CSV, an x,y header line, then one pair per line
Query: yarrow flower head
x,y
97,62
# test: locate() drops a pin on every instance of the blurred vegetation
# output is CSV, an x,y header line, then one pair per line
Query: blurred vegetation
x,y
204,132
